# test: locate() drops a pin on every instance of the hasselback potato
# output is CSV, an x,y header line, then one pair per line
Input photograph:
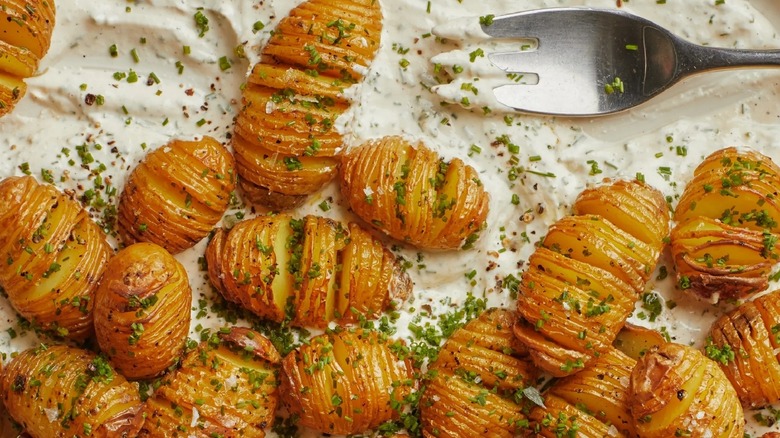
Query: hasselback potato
x,y
176,194
226,387
60,391
676,391
476,381
582,283
410,193
593,402
308,271
345,382
744,343
25,34
719,261
142,310
724,244
53,255
285,142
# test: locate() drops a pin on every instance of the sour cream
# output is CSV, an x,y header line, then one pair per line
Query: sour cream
x,y
189,86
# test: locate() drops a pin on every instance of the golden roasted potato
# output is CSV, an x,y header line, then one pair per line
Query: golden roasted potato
x,y
25,34
475,379
142,310
308,271
676,391
176,194
53,255
284,141
631,206
593,402
719,261
411,194
59,391
345,382
226,387
744,342
739,187
582,283
635,341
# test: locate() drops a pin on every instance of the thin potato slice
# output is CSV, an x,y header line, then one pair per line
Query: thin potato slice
x,y
411,194
285,142
676,391
307,272
718,261
345,382
176,194
142,310
57,391
54,255
744,342
227,387
635,341
476,381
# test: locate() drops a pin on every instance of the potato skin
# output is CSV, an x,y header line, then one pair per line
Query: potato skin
x,y
475,377
307,272
582,283
345,382
177,194
744,342
53,255
285,144
142,310
676,391
411,194
79,390
25,37
227,386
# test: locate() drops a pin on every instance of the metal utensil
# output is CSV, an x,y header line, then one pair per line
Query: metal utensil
x,y
600,61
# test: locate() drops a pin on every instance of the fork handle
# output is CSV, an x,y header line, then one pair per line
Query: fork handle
x,y
694,58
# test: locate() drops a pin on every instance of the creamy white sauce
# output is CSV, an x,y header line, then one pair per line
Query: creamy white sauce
x,y
703,114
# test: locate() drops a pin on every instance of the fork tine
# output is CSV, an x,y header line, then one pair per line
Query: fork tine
x,y
527,24
522,62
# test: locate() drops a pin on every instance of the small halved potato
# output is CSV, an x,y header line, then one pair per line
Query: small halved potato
x,y
285,140
53,256
25,35
345,382
631,206
59,391
476,381
307,271
593,402
176,194
226,387
744,342
719,261
411,194
738,186
142,310
675,390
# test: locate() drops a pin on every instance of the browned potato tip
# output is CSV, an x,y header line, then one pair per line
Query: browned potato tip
x,y
480,372
635,341
737,186
226,387
719,261
582,283
142,310
411,194
285,142
676,391
176,194
744,342
345,382
592,403
60,391
53,256
307,271
25,34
